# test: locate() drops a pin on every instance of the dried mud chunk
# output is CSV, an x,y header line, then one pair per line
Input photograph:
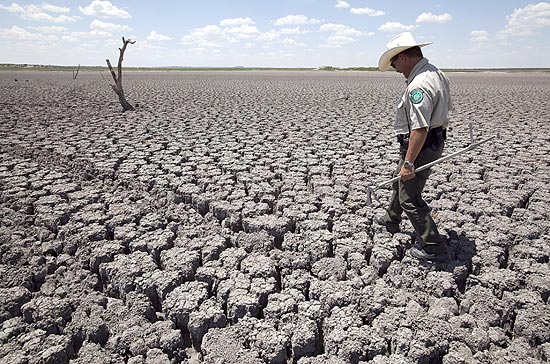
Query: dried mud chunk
x,y
533,324
359,243
184,262
220,344
212,273
443,308
152,221
322,359
354,344
333,293
303,333
487,309
393,359
241,303
88,325
156,356
271,344
9,329
120,275
350,224
212,248
154,242
48,349
94,353
459,353
126,233
260,241
11,300
282,303
209,315
48,313
316,244
518,352
273,225
383,254
138,339
430,342
298,279
256,265
330,268
104,252
288,261
184,300
157,284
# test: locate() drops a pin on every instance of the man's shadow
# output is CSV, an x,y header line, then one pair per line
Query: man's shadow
x,y
461,251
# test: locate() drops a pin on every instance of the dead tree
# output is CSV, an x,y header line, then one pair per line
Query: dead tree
x,y
75,75
117,87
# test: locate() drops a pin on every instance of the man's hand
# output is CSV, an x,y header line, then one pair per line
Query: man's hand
x,y
417,138
407,173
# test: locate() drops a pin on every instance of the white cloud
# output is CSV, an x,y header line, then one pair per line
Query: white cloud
x,y
295,20
154,36
104,9
395,27
13,8
479,36
341,4
432,18
525,21
292,43
366,11
335,41
293,31
109,27
244,31
38,13
92,34
341,34
17,33
50,29
54,9
209,36
342,30
235,22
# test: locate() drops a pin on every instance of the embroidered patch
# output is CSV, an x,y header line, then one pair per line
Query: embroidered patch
x,y
417,95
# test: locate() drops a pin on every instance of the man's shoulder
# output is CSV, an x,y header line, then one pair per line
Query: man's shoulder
x,y
425,77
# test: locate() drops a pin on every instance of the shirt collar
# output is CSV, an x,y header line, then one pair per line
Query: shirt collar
x,y
416,69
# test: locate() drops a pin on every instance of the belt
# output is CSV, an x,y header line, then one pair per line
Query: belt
x,y
403,139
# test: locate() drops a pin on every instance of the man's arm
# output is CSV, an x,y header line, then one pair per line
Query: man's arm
x,y
417,138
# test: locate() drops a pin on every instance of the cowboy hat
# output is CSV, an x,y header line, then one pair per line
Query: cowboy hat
x,y
396,45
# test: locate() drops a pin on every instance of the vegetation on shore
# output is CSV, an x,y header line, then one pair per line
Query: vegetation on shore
x,y
34,67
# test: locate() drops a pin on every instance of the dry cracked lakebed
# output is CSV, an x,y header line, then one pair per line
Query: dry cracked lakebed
x,y
225,221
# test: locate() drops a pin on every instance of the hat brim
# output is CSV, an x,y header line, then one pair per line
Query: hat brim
x,y
385,58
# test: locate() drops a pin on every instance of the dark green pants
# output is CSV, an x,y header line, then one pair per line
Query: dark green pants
x,y
407,197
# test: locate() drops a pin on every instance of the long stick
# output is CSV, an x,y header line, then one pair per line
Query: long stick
x,y
370,190
442,159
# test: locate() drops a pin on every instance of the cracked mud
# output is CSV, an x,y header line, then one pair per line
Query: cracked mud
x,y
225,221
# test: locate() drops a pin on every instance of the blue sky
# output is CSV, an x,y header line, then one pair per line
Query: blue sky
x,y
269,33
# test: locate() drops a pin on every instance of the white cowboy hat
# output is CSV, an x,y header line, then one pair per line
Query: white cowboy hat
x,y
395,46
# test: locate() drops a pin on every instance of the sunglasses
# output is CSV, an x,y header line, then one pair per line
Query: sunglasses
x,y
394,59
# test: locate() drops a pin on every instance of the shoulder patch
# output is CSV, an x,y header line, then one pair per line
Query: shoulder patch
x,y
416,96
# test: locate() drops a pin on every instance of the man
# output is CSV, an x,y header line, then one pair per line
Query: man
x,y
420,126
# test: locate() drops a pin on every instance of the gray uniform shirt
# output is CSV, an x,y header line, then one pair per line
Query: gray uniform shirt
x,y
426,101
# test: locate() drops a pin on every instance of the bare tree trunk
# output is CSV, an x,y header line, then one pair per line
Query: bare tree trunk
x,y
117,87
76,75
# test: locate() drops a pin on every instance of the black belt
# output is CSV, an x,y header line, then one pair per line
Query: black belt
x,y
433,135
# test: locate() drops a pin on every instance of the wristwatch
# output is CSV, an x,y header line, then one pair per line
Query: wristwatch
x,y
408,165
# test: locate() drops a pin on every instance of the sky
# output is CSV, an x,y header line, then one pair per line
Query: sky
x,y
273,33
